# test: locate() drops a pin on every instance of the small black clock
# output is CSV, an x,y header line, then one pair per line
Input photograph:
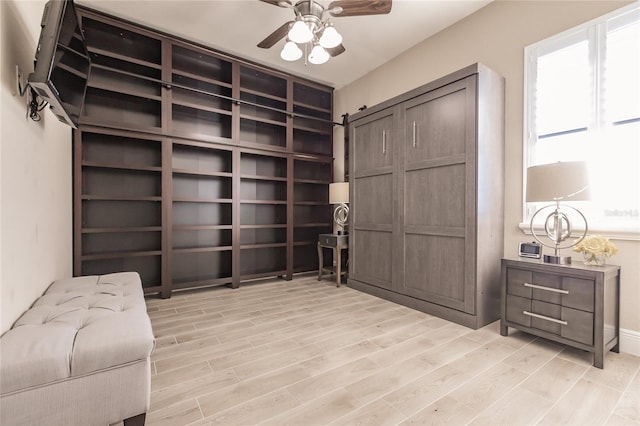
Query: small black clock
x,y
532,249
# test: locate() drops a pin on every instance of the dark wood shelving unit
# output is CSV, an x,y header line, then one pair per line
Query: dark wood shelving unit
x,y
262,124
118,204
311,211
263,214
193,167
201,214
310,135
120,93
197,77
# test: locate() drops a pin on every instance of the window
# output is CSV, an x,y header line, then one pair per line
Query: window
x,y
582,102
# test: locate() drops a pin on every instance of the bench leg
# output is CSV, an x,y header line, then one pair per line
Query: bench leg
x,y
135,420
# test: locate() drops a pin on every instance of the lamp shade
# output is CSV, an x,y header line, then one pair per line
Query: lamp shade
x,y
568,181
300,32
291,52
330,38
338,192
318,55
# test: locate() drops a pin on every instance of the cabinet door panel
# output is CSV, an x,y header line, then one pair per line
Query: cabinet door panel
x,y
373,197
435,124
438,185
436,196
373,143
435,269
371,257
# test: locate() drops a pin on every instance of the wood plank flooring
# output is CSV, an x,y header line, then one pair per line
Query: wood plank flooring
x,y
304,352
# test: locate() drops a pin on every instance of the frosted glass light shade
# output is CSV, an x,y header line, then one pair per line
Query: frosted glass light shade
x,y
338,192
291,52
300,33
318,55
330,38
567,181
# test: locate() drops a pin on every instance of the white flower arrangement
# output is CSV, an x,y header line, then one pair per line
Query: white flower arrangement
x,y
595,247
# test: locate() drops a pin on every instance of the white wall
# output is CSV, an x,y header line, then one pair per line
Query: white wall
x,y
496,36
35,170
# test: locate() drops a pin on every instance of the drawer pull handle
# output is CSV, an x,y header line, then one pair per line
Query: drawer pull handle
x,y
531,314
539,287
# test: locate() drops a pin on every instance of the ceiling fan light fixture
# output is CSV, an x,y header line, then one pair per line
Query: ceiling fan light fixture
x,y
291,51
300,32
318,55
311,30
330,37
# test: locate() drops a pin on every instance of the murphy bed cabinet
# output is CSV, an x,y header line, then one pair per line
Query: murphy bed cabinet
x,y
427,197
193,167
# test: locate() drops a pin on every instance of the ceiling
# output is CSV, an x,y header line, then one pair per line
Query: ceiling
x,y
237,26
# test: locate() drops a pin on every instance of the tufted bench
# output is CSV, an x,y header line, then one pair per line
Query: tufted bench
x,y
79,356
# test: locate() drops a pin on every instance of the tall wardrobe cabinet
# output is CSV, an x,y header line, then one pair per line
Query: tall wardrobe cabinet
x,y
427,197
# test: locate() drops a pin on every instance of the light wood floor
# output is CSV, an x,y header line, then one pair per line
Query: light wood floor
x,y
304,352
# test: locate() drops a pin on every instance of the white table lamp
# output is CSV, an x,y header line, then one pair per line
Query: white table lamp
x,y
339,194
562,181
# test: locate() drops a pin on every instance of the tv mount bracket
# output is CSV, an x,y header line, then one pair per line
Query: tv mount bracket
x,y
21,85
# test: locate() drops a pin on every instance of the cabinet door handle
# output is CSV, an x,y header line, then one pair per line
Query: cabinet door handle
x,y
415,134
540,287
384,142
557,321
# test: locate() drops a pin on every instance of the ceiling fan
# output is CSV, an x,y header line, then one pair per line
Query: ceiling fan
x,y
315,33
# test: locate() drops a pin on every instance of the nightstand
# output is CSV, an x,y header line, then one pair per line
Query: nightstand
x,y
337,243
575,305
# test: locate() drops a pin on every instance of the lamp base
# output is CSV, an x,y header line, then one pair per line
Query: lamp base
x,y
557,260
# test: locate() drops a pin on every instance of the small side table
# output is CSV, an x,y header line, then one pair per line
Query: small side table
x,y
337,243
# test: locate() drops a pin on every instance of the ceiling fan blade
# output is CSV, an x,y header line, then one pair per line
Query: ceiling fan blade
x,y
335,51
275,36
360,7
278,2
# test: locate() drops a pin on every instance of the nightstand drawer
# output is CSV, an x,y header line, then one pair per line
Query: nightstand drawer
x,y
332,240
566,291
569,323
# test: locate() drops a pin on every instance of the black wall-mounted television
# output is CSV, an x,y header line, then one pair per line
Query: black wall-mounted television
x,y
62,63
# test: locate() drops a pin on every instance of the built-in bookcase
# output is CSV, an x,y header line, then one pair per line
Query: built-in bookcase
x,y
193,167
118,204
122,89
262,124
310,135
201,215
201,106
263,214
311,211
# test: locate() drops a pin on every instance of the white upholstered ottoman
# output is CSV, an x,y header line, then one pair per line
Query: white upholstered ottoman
x,y
79,356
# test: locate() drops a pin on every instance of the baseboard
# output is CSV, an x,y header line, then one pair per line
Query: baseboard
x,y
630,342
